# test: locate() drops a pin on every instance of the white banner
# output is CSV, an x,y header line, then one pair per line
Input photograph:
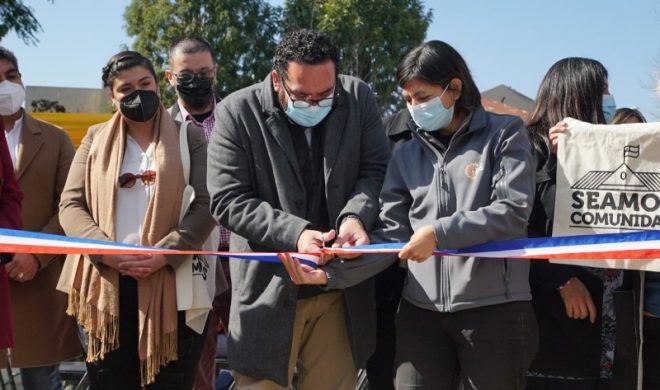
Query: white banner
x,y
608,181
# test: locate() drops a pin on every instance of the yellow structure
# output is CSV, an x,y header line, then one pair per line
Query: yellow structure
x,y
75,124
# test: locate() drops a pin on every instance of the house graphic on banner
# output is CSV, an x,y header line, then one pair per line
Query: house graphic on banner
x,y
621,179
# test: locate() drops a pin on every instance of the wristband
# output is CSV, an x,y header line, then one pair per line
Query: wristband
x,y
565,284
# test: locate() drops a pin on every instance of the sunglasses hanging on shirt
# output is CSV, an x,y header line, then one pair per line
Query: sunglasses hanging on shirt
x,y
127,180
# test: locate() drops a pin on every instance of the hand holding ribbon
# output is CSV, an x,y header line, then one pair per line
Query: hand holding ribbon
x,y
421,246
302,273
313,241
351,233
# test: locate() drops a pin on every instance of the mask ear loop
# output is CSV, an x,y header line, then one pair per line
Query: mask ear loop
x,y
445,90
455,90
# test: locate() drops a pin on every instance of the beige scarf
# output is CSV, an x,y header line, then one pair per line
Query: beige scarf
x,y
94,295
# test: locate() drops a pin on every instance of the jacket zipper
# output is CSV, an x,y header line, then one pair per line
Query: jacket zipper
x,y
502,192
444,207
445,291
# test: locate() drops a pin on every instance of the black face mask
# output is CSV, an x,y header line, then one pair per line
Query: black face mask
x,y
140,105
196,93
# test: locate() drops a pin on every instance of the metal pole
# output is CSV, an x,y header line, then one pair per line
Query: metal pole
x,y
12,384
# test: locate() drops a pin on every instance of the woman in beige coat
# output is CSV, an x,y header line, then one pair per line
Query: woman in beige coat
x,y
126,185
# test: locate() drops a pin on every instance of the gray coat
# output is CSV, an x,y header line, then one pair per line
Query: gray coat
x,y
257,192
480,189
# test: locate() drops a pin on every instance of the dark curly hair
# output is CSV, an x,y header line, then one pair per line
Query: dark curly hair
x,y
122,61
306,47
6,54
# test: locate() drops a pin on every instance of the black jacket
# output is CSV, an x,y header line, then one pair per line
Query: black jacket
x,y
568,347
398,128
257,191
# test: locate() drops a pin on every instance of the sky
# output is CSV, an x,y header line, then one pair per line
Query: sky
x,y
511,42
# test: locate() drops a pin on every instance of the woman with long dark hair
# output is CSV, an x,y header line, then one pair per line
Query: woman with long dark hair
x,y
574,305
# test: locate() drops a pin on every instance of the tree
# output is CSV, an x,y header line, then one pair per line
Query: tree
x,y
241,32
46,105
372,36
16,16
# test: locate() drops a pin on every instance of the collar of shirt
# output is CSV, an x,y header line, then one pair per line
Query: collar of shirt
x,y
13,137
206,125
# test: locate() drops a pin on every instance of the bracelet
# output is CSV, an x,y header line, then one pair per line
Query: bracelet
x,y
565,284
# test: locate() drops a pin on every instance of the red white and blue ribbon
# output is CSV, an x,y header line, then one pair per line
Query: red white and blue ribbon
x,y
636,245
18,241
642,245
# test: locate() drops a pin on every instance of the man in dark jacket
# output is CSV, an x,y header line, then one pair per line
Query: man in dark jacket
x,y
297,162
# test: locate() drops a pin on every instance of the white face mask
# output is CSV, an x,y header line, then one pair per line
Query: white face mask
x,y
12,96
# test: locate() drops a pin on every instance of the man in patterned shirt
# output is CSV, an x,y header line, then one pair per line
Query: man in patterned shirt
x,y
192,72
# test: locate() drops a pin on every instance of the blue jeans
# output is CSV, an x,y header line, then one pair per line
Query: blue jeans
x,y
41,378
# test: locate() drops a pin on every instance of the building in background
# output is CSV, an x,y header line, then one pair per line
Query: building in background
x,y
509,96
76,109
87,100
506,100
73,109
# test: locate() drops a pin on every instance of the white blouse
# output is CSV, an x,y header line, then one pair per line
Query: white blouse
x,y
132,202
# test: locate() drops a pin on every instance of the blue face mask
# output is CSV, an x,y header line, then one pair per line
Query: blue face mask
x,y
432,115
307,117
609,108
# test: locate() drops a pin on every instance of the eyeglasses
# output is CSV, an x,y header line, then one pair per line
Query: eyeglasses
x,y
187,77
127,180
299,103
